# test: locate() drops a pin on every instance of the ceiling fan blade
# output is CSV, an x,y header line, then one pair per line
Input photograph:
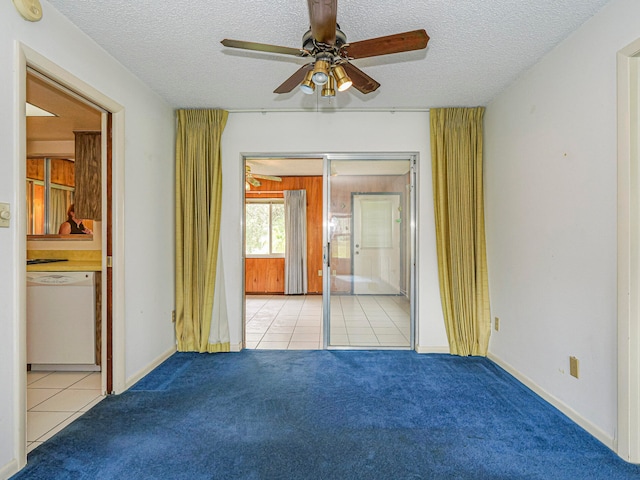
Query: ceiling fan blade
x,y
323,14
263,47
253,181
266,177
294,80
361,81
400,42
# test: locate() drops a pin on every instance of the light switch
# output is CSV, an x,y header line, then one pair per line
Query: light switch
x,y
5,214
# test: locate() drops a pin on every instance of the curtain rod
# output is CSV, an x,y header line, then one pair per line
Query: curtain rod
x,y
263,191
335,110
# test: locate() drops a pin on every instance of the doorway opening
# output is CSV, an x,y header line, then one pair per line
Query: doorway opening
x,y
277,314
370,243
68,155
359,257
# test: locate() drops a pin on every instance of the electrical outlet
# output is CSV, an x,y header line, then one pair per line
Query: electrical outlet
x,y
173,316
319,273
573,367
496,324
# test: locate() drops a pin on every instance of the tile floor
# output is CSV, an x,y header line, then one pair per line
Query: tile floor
x,y
370,321
295,322
284,322
55,399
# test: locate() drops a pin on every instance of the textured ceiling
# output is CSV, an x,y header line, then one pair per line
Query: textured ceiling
x,y
476,49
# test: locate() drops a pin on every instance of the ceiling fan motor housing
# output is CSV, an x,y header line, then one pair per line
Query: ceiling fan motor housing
x,y
309,43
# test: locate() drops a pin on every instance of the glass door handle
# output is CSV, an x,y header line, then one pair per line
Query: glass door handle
x,y
327,250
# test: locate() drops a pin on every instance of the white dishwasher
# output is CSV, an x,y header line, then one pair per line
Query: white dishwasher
x,y
61,320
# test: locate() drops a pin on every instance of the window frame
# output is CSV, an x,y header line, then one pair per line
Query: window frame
x,y
264,201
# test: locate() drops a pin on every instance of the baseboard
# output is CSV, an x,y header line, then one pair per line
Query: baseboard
x,y
431,349
560,405
67,367
10,469
137,376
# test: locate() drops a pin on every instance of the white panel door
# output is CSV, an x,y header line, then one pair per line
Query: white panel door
x,y
376,244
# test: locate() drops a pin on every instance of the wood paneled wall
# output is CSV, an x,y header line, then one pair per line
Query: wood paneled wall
x,y
266,275
62,171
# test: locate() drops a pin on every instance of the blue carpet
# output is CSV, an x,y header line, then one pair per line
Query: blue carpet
x,y
325,415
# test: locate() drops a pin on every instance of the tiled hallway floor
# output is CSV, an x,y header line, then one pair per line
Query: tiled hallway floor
x,y
284,322
295,322
55,399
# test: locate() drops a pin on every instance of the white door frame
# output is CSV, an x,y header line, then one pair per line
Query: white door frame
x,y
628,71
27,56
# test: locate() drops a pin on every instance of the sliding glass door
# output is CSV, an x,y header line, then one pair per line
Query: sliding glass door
x,y
369,252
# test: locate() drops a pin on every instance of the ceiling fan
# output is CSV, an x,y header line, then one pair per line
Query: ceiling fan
x,y
330,53
252,178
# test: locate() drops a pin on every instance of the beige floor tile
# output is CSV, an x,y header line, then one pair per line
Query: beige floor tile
x,y
257,329
276,337
393,340
254,337
59,380
67,401
307,329
35,376
359,339
338,339
305,337
281,329
310,320
338,328
359,330
39,423
283,321
393,330
90,405
32,446
92,381
59,427
272,346
304,346
36,396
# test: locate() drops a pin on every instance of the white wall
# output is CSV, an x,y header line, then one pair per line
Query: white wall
x,y
550,175
344,132
145,207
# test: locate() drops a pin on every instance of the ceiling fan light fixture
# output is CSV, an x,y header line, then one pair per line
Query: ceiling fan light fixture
x,y
329,90
342,79
307,86
320,73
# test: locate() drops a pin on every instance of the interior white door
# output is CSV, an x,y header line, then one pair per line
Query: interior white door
x,y
376,243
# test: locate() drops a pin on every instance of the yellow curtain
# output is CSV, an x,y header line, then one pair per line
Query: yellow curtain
x,y
456,155
198,211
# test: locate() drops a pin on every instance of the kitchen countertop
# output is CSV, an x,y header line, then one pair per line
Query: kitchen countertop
x,y
76,261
